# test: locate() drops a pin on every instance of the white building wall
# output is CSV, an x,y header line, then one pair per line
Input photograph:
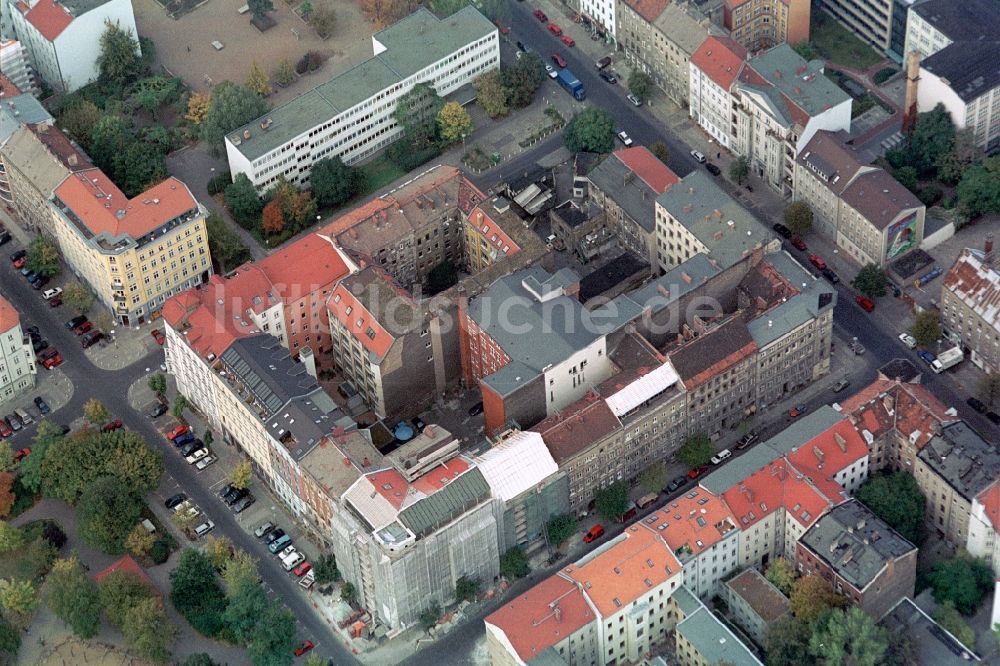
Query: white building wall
x,y
14,65
620,640
933,90
922,36
709,105
982,540
79,45
851,477
17,363
568,381
603,11
833,119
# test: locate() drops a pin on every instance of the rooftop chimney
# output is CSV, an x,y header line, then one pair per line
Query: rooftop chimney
x,y
988,249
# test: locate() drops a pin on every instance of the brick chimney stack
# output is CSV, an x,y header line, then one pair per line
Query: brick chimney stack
x,y
988,250
912,79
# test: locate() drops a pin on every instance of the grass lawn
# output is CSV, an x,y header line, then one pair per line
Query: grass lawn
x,y
835,43
379,173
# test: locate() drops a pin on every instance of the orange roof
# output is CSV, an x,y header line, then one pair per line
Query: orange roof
x,y
394,487
576,427
7,87
103,208
492,231
909,408
9,318
990,499
648,167
350,312
829,452
439,477
776,485
50,18
542,617
126,563
625,569
648,9
391,485
303,267
697,520
720,58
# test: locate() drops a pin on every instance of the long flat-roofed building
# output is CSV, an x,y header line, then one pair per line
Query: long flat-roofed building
x,y
351,115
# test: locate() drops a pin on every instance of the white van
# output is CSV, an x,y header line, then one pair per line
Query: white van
x,y
293,560
721,455
23,415
204,528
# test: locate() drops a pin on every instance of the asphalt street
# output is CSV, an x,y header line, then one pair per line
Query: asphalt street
x,y
111,388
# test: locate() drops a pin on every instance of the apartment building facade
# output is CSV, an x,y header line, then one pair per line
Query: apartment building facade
x,y
15,65
351,115
933,25
880,23
755,603
132,253
969,88
983,541
867,212
761,25
62,37
18,109
17,359
714,67
969,316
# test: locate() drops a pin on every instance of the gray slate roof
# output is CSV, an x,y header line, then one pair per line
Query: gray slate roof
x,y
961,20
676,282
714,641
457,497
962,458
813,298
855,542
705,210
930,644
796,81
20,110
629,191
972,68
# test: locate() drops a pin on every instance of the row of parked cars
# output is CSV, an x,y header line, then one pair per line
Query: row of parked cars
x,y
180,502
194,450
279,543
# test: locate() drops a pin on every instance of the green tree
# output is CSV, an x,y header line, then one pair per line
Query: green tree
x,y
782,575
274,637
612,502
445,8
933,136
592,130
239,571
148,631
31,467
119,592
926,327
963,153
454,123
283,74
158,383
697,450
522,80
560,527
95,412
18,597
849,638
232,106
72,463
323,19
988,388
73,596
739,169
951,619
325,569
139,541
258,81
348,593
107,512
108,139
417,112
11,537
661,151
208,438
495,10
871,281
979,190
430,616
43,257
10,641
180,404
119,62
963,580
218,549
298,208
467,589
78,119
897,499
640,84
788,643
653,477
333,182
7,461
907,177
227,250
137,168
491,94
152,92
798,217
811,597
77,297
260,8
514,564
241,475
243,202
196,594
246,605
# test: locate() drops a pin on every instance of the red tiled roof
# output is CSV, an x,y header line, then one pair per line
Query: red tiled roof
x,y
990,499
303,267
828,453
391,485
648,167
126,563
576,427
7,87
542,617
678,522
776,485
349,311
60,146
489,228
50,18
103,208
909,408
9,318
720,58
648,9
976,285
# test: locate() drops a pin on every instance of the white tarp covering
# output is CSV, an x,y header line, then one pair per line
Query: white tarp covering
x,y
642,389
517,463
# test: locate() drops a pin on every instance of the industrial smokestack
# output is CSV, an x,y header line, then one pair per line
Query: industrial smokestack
x,y
988,250
912,78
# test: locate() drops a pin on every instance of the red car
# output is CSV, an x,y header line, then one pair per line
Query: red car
x,y
816,261
5,430
83,328
50,358
177,432
302,569
21,454
797,411
596,532
111,425
568,41
866,304
302,649
19,263
55,301
540,15
559,60
555,29
504,30
697,471
798,243
158,336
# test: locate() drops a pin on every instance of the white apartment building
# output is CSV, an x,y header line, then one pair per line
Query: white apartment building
x,y
602,12
714,67
17,360
983,540
932,25
968,87
15,66
351,115
62,37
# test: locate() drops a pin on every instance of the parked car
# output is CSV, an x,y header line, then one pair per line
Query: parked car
x,y
177,432
568,41
82,328
279,543
746,440
20,261
50,358
712,169
196,455
633,99
174,500
38,345
676,483
5,430
111,425
476,409
782,230
993,417
21,454
608,76
75,321
273,534
926,356
866,303
721,455
698,156
830,275
42,406
14,422
540,15
55,301
51,293
798,411
236,496
19,254
817,261
976,404
25,417
159,410
555,29
798,243
553,74
91,338
594,533
302,649
559,60
841,385
908,340
303,569
624,138
603,62
204,528
292,561
695,472
263,529
39,282
158,336
226,489
205,462
243,503
191,447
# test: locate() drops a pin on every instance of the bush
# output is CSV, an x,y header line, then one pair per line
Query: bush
x,y
883,75
219,182
929,194
160,552
302,65
54,535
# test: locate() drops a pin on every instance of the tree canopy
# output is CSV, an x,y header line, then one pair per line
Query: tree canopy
x,y
697,450
812,596
228,251
243,202
119,62
232,106
333,182
592,130
273,638
454,123
491,94
196,593
788,643
932,138
31,466
871,281
417,112
77,297
640,84
522,80
988,388
849,638
926,327
107,512
43,257
739,169
798,217
514,564
611,502
781,574
897,499
561,527
979,189
661,151
963,580
73,596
